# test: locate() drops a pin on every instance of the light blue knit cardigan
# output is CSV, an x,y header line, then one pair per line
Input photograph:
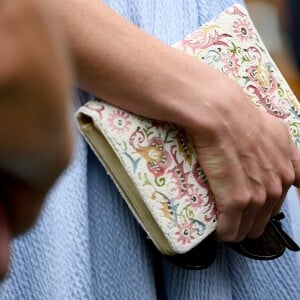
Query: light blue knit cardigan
x,y
88,246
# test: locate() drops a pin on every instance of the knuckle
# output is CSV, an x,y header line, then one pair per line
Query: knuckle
x,y
259,198
241,200
274,190
288,177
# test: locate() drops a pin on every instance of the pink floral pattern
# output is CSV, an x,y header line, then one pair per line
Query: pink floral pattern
x,y
185,233
160,158
243,29
238,52
119,121
195,198
154,153
231,64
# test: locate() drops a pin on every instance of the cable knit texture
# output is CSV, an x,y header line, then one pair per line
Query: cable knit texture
x,y
87,245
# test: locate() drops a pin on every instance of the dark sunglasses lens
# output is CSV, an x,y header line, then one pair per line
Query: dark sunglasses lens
x,y
200,257
268,246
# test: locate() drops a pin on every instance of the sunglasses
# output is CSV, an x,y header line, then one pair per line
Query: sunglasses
x,y
270,245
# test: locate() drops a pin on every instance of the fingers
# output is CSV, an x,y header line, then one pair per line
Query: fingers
x,y
277,193
229,187
237,221
249,215
228,225
250,180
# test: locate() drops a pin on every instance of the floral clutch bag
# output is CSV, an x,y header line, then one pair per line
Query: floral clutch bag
x,y
154,164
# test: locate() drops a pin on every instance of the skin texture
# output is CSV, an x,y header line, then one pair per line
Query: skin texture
x,y
35,128
247,155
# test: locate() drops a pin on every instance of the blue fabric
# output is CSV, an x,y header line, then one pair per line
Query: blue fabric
x,y
87,245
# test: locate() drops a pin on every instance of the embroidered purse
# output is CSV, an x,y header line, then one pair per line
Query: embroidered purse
x,y
153,163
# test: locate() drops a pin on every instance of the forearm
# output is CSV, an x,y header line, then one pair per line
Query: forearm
x,y
234,141
124,65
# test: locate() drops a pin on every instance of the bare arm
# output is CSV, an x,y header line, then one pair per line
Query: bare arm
x,y
111,52
250,162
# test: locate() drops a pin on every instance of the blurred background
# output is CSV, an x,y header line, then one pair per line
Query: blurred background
x,y
278,22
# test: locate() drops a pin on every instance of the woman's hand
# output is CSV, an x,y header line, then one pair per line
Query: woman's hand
x,y
248,157
35,130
